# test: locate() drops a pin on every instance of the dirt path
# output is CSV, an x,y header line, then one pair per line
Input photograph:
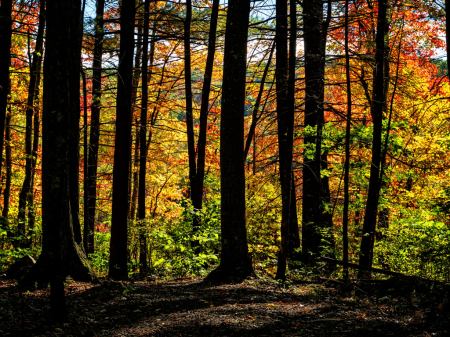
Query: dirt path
x,y
196,308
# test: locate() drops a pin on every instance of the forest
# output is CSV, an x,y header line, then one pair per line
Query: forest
x,y
227,142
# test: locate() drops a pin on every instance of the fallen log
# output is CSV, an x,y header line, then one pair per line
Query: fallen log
x,y
356,266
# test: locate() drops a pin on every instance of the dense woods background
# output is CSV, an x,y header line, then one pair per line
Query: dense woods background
x,y
176,138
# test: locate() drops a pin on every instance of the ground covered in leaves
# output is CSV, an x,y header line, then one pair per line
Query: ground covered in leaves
x,y
193,307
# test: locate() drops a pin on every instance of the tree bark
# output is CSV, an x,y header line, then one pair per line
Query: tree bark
x,y
30,111
197,190
311,217
7,191
95,125
377,118
143,266
235,262
5,62
118,251
294,235
285,119
188,94
61,255
76,31
347,148
136,75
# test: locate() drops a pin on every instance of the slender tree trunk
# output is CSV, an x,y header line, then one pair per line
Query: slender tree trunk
x,y
7,191
76,32
134,173
235,261
143,267
347,148
85,163
118,253
377,118
188,93
30,111
197,191
311,218
294,236
5,62
285,118
36,126
95,125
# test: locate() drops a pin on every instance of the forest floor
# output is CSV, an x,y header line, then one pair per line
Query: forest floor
x,y
255,307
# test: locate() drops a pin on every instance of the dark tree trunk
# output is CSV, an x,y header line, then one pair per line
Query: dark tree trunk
x,y
5,62
188,94
143,267
76,31
294,235
197,190
285,118
95,125
7,191
235,261
30,111
311,218
61,255
85,163
377,118
347,148
118,252
134,173
36,126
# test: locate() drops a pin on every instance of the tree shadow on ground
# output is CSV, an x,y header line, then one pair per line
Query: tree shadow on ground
x,y
196,308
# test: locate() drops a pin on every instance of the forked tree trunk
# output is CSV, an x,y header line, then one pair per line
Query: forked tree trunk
x,y
61,254
235,261
118,251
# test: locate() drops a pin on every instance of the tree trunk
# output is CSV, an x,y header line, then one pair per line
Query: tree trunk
x,y
235,261
294,236
5,62
76,31
30,111
347,148
118,251
188,94
311,217
143,139
377,118
61,255
285,118
136,75
95,125
7,191
197,191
